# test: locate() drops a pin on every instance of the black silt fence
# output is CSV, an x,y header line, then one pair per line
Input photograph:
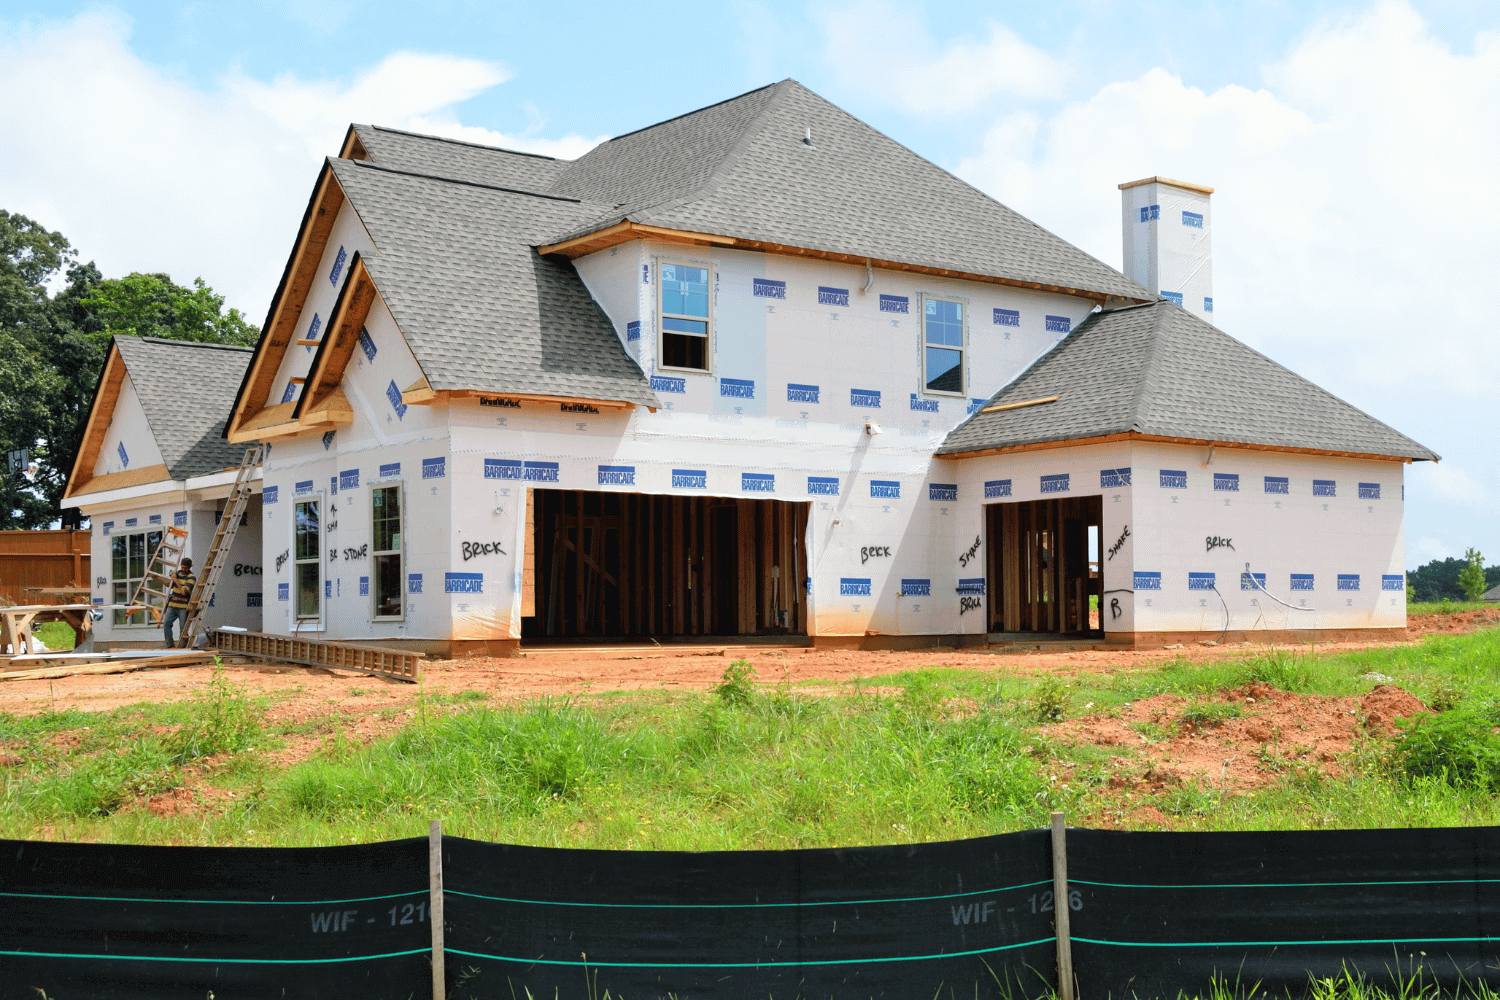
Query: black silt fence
x,y
1151,914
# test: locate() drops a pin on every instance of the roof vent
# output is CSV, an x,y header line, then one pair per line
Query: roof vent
x,y
807,139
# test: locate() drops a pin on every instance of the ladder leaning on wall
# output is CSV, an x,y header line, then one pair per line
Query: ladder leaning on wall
x,y
156,585
218,549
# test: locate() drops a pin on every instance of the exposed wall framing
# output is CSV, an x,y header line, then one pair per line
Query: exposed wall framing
x,y
1039,561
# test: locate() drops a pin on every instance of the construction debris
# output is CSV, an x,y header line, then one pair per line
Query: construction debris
x,y
376,660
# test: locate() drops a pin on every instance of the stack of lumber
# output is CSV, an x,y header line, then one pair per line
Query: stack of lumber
x,y
48,666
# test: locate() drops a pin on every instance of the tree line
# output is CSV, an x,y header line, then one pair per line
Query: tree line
x,y
1451,579
53,347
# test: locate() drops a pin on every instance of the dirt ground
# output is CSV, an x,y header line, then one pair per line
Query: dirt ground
x,y
1273,731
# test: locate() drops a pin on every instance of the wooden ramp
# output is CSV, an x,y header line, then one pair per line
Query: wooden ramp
x,y
395,663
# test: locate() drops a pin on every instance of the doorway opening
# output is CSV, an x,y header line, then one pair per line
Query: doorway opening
x,y
634,565
1044,560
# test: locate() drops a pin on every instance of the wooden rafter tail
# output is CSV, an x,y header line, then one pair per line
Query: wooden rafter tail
x,y
345,324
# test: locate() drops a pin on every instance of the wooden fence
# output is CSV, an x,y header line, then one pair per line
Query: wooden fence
x,y
41,559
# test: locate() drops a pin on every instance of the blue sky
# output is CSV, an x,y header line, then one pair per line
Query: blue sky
x,y
1356,219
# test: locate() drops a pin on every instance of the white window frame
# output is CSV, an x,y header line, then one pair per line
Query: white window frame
x,y
662,314
119,619
297,617
963,364
399,485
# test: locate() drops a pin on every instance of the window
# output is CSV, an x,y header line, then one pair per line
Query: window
x,y
128,564
385,513
684,317
943,347
308,565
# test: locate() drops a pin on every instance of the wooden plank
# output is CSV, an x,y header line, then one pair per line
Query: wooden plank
x,y
1010,561
101,412
676,575
344,326
124,479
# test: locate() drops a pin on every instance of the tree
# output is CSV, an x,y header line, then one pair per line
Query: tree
x,y
1471,577
1438,581
152,305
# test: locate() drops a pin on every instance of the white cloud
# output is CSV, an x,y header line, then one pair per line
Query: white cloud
x,y
1449,483
144,172
885,49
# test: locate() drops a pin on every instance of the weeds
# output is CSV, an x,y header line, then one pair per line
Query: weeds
x,y
1207,714
225,721
1458,747
737,684
1050,700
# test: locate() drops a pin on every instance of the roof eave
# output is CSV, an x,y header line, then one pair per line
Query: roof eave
x,y
1071,442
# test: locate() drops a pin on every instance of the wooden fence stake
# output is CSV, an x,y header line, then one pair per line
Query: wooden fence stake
x,y
1060,910
435,906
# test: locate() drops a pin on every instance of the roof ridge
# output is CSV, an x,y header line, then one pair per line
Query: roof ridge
x,y
686,114
465,142
1147,380
187,343
367,165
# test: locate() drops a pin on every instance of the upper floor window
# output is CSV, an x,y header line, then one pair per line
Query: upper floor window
x,y
943,346
685,322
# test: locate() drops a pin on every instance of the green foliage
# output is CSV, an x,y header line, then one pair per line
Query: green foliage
x,y
1208,714
1458,747
1050,700
1471,578
1438,580
737,684
153,305
224,721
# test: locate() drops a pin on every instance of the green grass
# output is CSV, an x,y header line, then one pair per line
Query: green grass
x,y
936,754
56,636
1449,607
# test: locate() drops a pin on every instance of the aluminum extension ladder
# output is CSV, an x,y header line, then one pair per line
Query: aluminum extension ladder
x,y
218,550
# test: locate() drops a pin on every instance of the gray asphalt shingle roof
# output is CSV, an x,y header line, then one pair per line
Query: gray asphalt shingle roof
x,y
187,390
465,161
457,267
1158,370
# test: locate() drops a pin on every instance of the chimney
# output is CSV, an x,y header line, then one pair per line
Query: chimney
x,y
1167,245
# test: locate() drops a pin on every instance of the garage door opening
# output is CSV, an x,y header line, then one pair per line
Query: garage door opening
x,y
620,565
1044,564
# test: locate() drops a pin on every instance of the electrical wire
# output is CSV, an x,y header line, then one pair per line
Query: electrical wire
x,y
1272,596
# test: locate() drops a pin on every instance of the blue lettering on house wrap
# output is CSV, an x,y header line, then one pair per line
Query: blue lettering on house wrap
x,y
854,586
616,475
154,519
768,288
1227,481
665,383
916,588
689,479
942,491
109,526
367,344
541,472
1201,581
328,439
1007,317
971,585
1369,491
1056,483
271,494
434,468
925,405
1059,324
283,591
1325,487
889,489
179,519
826,486
394,395
327,589
799,393
502,468
1252,581
1113,478
349,479
1174,479
739,388
869,398
289,392
390,470
1149,212
996,488
414,583
1302,581
633,330
338,266
1208,303
833,296
124,458
1147,580
1278,484
364,586
463,583
252,599
1348,581
1393,581
895,304
305,486
333,484
1173,297
131,522
758,482
1193,219
975,405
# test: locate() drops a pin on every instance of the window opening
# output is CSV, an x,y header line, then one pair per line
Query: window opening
x,y
943,346
308,567
684,316
128,567
386,517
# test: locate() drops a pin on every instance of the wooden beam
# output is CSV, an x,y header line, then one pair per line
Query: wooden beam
x,y
333,409
101,412
1019,405
1167,180
121,480
1196,442
624,232
535,397
344,326
418,393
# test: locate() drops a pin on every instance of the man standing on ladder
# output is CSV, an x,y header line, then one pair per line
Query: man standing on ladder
x,y
183,582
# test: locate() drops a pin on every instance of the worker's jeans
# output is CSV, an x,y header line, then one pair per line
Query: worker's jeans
x,y
168,618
